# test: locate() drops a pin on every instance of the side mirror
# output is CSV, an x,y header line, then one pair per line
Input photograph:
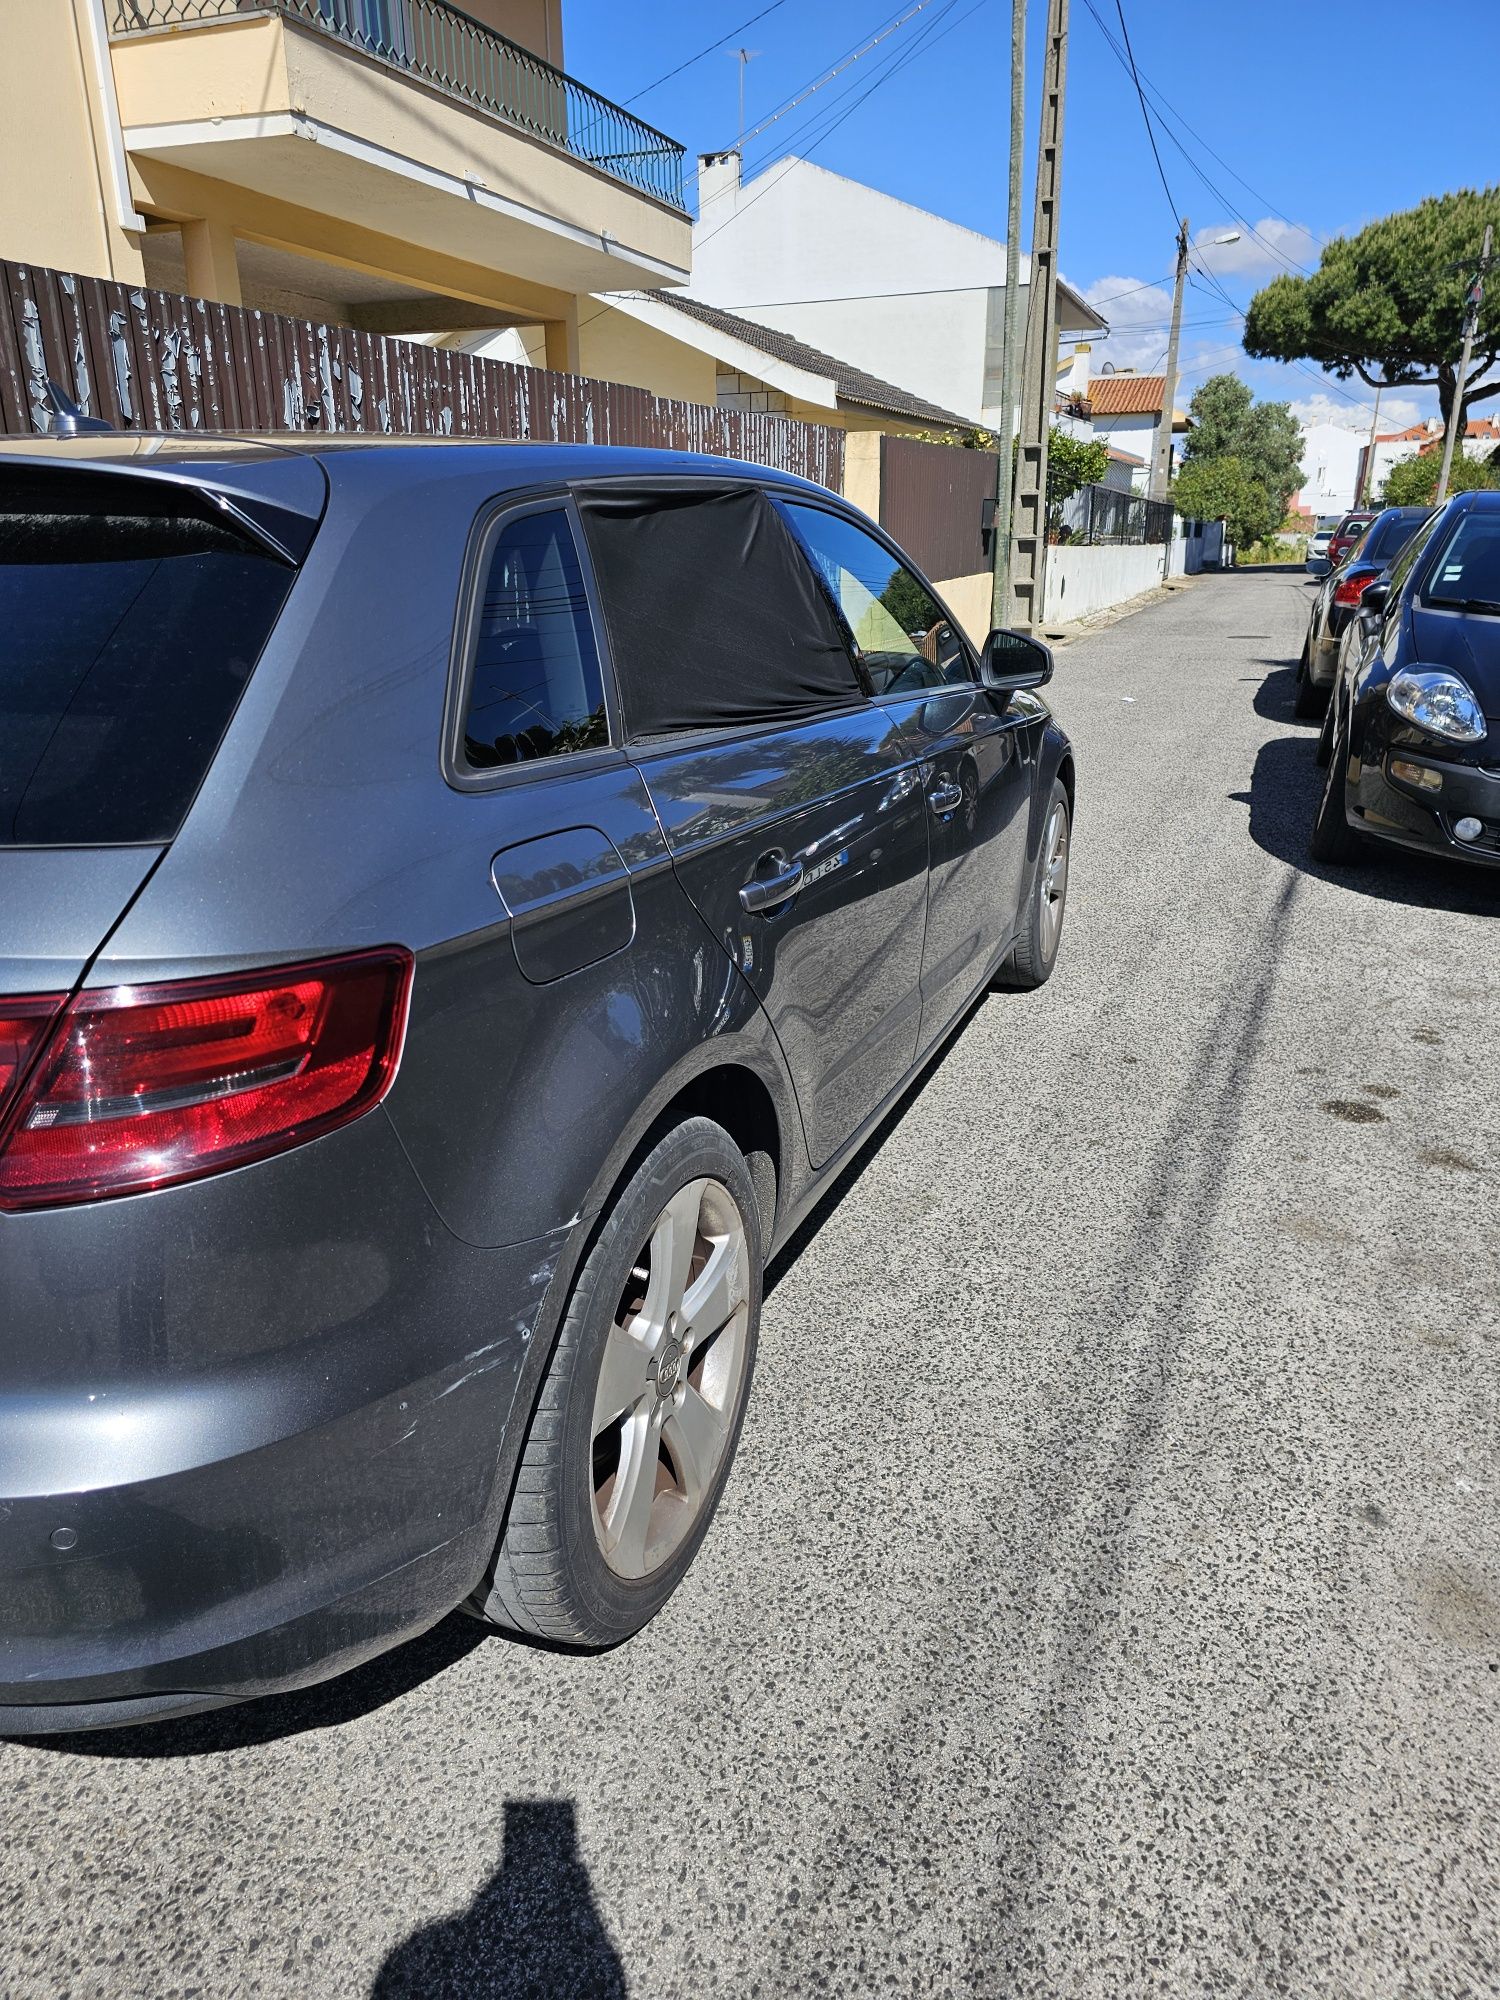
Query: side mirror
x,y
1376,597
1014,660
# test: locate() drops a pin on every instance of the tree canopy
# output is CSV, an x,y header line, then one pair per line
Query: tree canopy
x,y
1222,489
1412,482
1387,305
1265,438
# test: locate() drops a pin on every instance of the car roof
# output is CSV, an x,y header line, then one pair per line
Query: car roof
x,y
512,462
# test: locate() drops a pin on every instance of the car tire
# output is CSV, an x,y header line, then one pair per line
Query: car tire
x,y
610,1505
1034,952
1325,737
1310,698
1334,841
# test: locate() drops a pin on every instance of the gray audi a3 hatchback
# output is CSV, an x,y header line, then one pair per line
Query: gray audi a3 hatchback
x,y
462,903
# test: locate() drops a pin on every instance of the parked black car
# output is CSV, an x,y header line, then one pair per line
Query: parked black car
x,y
1411,740
461,905
1338,597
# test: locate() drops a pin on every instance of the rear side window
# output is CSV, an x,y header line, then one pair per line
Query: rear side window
x,y
130,621
715,620
535,687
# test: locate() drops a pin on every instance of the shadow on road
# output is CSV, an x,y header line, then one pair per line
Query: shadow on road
x,y
359,1692
1283,796
532,1933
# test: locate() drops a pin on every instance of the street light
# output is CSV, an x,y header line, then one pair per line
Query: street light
x,y
1161,456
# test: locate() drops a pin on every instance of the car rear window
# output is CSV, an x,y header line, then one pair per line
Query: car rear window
x,y
130,621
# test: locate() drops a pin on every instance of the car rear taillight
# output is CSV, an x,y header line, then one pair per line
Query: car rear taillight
x,y
141,1086
23,1023
1351,590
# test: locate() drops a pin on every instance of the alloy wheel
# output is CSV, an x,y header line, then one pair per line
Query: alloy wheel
x,y
1053,888
671,1379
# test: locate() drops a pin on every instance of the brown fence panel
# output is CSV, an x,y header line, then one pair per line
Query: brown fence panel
x,y
148,360
932,502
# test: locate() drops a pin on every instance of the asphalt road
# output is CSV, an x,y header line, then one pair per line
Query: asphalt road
x,y
1107,1600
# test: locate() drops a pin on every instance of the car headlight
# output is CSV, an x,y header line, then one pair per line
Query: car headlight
x,y
1440,703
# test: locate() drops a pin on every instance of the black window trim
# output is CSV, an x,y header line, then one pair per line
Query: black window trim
x,y
489,524
794,498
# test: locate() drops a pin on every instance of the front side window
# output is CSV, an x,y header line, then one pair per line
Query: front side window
x,y
1466,574
903,637
1402,567
535,689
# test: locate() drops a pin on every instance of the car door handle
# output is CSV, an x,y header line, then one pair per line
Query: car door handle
x,y
945,797
767,891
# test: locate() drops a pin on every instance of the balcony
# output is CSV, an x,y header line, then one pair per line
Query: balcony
x,y
398,164
453,53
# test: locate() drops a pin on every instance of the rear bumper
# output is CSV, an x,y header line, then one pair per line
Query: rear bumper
x,y
250,1432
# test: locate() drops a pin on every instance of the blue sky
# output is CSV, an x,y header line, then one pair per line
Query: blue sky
x,y
1300,111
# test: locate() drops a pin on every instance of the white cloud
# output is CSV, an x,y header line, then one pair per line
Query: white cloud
x,y
1256,254
1137,314
1397,413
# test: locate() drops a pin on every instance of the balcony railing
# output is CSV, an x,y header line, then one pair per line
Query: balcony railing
x,y
455,53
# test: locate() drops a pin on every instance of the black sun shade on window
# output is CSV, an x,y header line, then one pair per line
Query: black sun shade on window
x,y
714,616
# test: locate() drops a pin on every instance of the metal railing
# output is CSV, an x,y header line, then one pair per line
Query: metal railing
x,y
453,52
1098,514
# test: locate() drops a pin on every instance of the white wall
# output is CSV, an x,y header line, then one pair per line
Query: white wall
x,y
1084,579
803,249
1330,464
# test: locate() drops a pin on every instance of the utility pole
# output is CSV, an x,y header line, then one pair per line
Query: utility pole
x,y
1362,498
1028,550
1161,455
1010,365
1471,326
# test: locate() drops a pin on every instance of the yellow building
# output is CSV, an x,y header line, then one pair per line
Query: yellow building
x,y
395,165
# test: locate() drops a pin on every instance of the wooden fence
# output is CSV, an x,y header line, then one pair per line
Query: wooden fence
x,y
932,501
156,361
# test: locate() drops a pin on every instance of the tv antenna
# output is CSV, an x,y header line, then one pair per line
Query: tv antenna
x,y
744,57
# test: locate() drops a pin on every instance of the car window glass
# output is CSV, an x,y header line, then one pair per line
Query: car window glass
x,y
1402,567
715,620
905,641
1387,539
1467,569
536,689
132,623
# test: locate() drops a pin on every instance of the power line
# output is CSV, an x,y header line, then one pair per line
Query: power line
x,y
1140,94
648,88
1166,110
923,42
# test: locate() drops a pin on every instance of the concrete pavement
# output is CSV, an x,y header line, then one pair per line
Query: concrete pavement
x,y
1107,1599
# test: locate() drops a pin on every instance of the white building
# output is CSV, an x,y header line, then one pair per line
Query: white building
x,y
906,295
1481,438
1331,458
1119,409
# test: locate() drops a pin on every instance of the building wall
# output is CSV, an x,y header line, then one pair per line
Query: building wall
x,y
802,234
1330,468
617,348
57,203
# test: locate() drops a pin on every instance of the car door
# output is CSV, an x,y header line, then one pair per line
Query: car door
x,y
975,749
791,804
